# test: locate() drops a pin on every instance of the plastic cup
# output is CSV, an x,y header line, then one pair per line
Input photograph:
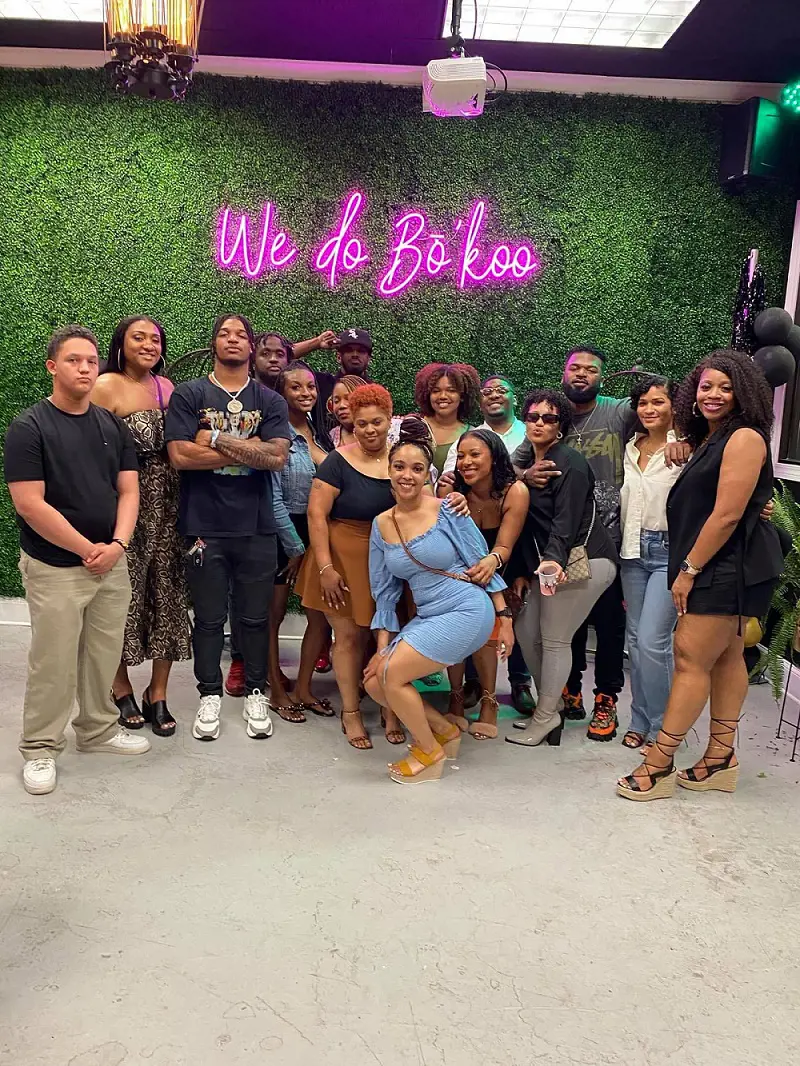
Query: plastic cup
x,y
548,578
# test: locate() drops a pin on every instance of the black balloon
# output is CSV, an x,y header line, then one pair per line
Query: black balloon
x,y
777,363
773,325
793,341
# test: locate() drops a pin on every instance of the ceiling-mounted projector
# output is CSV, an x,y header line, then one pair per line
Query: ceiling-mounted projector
x,y
455,87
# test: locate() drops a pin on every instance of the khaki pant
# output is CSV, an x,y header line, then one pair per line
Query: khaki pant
x,y
77,627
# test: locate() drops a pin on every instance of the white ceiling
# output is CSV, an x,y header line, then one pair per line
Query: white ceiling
x,y
63,10
620,23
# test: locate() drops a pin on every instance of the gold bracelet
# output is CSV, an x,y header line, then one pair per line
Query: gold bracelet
x,y
325,567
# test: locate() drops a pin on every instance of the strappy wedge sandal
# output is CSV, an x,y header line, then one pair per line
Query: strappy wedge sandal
x,y
485,730
720,776
430,767
457,697
450,742
661,779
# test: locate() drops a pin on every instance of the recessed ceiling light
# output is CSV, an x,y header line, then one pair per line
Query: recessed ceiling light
x,y
59,10
618,23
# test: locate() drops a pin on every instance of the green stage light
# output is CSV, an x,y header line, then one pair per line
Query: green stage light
x,y
790,97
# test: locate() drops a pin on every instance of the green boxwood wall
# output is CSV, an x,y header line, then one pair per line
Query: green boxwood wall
x,y
107,207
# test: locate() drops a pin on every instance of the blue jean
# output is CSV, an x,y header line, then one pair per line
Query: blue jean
x,y
651,618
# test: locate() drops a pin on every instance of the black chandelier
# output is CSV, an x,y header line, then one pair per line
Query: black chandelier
x,y
153,45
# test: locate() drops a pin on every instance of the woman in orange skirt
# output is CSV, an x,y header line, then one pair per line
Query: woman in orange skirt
x,y
351,487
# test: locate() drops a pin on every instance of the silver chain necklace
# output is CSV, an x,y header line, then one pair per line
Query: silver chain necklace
x,y
579,432
235,405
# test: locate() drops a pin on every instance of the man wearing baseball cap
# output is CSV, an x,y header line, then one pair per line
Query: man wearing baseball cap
x,y
353,351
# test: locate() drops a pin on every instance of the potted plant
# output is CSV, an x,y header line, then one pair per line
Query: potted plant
x,y
784,611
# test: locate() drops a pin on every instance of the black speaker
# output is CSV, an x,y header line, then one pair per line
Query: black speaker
x,y
758,142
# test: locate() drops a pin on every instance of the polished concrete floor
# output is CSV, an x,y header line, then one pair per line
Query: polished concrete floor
x,y
282,903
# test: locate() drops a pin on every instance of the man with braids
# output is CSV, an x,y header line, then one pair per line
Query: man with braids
x,y
225,433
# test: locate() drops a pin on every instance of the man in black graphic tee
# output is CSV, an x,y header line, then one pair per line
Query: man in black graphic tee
x,y
225,433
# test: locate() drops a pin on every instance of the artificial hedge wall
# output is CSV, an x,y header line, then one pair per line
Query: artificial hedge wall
x,y
108,207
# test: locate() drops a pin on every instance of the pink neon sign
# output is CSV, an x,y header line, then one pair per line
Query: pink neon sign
x,y
417,252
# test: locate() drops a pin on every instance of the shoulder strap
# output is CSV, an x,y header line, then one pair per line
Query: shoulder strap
x,y
160,394
419,563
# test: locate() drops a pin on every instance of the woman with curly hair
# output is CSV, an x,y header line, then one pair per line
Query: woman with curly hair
x,y
723,564
649,611
498,505
422,540
562,517
447,396
350,488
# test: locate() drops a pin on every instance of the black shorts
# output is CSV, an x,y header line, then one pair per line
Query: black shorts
x,y
300,523
723,598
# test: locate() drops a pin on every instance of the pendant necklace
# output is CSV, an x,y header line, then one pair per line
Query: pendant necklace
x,y
579,432
369,456
235,405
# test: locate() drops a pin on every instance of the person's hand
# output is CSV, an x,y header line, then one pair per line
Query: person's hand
x,y
203,438
372,667
677,453
102,558
445,482
541,473
505,639
457,503
483,572
326,339
553,567
769,508
292,568
333,588
521,588
682,586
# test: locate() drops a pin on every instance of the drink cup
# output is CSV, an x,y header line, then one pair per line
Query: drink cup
x,y
548,578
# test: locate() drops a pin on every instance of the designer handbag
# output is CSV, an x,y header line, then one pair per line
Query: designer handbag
x,y
578,567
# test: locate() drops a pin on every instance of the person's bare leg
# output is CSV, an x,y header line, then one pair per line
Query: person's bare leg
x,y
315,640
729,684
485,660
349,641
121,686
278,696
436,720
700,640
159,677
407,665
455,705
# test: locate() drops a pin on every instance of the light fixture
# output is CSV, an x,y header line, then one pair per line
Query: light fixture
x,y
153,44
619,23
790,97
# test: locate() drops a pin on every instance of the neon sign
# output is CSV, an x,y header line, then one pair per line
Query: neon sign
x,y
417,251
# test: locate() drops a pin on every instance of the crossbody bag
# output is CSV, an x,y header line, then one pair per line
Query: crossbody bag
x,y
578,567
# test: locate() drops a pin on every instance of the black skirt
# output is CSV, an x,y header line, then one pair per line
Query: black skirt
x,y
300,523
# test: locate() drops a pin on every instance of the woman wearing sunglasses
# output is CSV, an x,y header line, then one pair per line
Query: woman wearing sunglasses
x,y
559,595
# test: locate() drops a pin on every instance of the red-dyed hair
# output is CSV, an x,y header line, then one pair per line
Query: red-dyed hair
x,y
465,378
370,396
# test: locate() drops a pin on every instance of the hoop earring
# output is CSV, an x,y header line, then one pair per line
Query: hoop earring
x,y
695,411
559,435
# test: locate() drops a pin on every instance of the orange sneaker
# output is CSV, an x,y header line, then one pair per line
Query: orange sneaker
x,y
574,711
603,725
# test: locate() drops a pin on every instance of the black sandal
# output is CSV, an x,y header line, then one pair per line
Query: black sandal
x,y
129,714
662,781
720,775
322,708
157,712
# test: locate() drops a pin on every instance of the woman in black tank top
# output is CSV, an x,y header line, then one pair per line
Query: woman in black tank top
x,y
724,561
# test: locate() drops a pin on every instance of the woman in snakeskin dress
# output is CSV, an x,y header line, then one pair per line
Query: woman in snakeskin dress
x,y
158,622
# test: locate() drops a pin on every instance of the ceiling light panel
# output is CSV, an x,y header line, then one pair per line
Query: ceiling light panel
x,y
60,10
617,23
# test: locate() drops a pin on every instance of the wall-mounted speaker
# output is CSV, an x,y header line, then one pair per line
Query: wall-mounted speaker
x,y
759,144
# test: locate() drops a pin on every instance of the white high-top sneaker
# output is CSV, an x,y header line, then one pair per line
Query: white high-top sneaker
x,y
256,714
206,723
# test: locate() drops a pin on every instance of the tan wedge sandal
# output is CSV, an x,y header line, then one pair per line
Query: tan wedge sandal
x,y
430,767
485,730
720,775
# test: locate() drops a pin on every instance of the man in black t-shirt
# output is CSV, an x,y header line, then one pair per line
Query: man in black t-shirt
x,y
354,351
73,477
225,434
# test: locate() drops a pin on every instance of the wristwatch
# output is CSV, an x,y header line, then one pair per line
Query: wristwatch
x,y
124,544
687,568
505,613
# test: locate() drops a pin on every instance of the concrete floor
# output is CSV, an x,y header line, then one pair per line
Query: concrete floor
x,y
282,903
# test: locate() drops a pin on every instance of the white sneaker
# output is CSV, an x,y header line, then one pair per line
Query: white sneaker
x,y
39,776
122,743
256,714
206,723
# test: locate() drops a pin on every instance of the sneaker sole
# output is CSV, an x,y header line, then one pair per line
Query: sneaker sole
x,y
262,733
112,751
602,739
205,736
39,790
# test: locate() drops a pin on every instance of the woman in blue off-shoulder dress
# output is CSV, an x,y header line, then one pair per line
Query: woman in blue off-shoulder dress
x,y
422,541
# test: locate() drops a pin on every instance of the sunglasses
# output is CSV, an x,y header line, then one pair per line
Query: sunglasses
x,y
547,420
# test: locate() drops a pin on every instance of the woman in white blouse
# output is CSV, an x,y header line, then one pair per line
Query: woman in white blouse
x,y
651,614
